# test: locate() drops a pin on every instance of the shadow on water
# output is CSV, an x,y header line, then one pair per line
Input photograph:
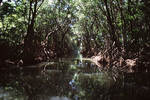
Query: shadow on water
x,y
72,79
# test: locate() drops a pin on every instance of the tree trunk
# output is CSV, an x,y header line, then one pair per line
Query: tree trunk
x,y
29,50
0,2
109,20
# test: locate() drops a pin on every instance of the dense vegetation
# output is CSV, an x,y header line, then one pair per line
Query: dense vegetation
x,y
35,30
40,30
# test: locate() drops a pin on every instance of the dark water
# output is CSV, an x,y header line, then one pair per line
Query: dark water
x,y
72,79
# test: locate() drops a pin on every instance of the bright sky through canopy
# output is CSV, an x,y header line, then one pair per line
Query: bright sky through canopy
x,y
50,2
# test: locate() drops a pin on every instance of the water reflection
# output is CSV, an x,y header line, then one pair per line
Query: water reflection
x,y
72,79
58,98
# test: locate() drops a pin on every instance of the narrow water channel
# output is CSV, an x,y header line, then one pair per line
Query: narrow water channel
x,y
72,79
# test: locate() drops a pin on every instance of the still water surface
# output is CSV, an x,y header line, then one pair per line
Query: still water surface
x,y
72,79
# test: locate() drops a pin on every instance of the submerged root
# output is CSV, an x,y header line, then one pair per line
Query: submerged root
x,y
125,61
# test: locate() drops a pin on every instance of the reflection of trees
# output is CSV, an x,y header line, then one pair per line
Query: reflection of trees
x,y
36,86
74,80
103,86
93,86
135,86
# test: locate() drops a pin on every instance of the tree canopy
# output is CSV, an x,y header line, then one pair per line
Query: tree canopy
x,y
38,30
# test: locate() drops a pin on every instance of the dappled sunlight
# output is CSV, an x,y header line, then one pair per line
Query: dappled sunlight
x,y
50,2
74,50
67,79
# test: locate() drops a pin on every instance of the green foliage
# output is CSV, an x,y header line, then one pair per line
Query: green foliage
x,y
56,17
65,23
122,23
